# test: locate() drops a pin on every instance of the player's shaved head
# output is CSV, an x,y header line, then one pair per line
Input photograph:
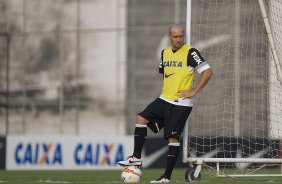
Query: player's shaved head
x,y
176,36
175,27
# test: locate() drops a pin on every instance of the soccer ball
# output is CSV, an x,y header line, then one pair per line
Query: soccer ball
x,y
131,174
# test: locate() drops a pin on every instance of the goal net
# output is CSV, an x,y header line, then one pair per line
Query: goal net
x,y
236,122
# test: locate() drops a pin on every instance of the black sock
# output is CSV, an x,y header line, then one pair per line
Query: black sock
x,y
172,156
140,135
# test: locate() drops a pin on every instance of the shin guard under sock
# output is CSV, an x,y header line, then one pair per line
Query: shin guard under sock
x,y
140,135
173,152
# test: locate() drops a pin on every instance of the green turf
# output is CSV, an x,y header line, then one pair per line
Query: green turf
x,y
113,176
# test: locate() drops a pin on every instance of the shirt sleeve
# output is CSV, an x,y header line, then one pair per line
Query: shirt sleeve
x,y
161,68
196,61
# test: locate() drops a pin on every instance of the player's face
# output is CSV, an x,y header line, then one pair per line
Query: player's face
x,y
176,37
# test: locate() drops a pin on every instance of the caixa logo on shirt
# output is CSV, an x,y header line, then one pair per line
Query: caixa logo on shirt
x,y
172,63
38,154
98,154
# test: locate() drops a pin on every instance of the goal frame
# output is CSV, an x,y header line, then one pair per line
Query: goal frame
x,y
197,163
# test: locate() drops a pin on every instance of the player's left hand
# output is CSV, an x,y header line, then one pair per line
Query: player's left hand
x,y
186,93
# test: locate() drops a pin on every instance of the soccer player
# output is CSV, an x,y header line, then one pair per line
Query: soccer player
x,y
171,110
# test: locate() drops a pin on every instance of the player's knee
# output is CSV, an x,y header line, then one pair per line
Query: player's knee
x,y
173,140
174,136
141,120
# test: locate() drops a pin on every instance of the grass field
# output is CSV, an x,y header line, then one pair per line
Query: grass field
x,y
113,176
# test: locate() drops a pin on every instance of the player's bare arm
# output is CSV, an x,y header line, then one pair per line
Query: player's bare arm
x,y
205,76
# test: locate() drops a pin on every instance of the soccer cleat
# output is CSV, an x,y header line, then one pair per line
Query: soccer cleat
x,y
131,161
162,179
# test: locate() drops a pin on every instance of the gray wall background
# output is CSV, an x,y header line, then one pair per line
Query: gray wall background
x,y
89,66
66,71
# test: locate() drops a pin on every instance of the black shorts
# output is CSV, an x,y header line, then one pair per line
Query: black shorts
x,y
162,114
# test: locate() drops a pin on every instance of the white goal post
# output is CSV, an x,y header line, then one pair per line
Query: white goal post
x,y
236,123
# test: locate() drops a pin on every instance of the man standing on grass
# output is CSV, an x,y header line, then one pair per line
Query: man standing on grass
x,y
171,110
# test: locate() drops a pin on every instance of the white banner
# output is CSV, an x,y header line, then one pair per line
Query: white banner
x,y
66,152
